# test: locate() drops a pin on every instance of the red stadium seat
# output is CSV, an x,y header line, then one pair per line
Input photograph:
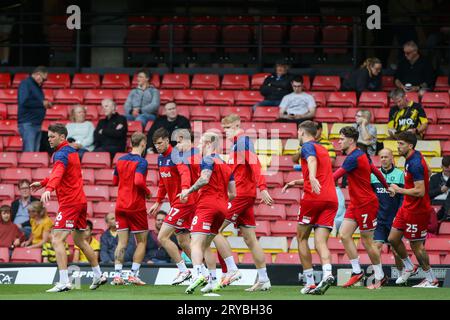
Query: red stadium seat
x,y
254,129
96,160
5,80
283,228
373,100
102,208
134,126
436,99
12,143
287,258
69,96
6,191
188,97
445,148
99,225
282,130
152,178
444,228
3,111
247,98
433,258
442,115
154,81
152,159
258,80
442,84
446,259
57,81
272,33
57,112
219,97
18,77
335,245
26,255
117,156
178,35
120,95
381,115
329,115
13,175
12,112
33,159
438,132
283,163
266,114
166,95
95,96
274,179
116,81
8,159
326,83
140,34
96,193
336,35
292,175
8,95
88,176
235,82
4,254
291,196
319,97
247,258
86,81
91,113
104,176
303,34
205,113
175,81
233,35
244,112
274,212
204,35
262,228
40,173
387,83
205,81
349,114
342,99
438,246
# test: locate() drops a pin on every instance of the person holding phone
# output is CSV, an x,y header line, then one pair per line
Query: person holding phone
x,y
297,106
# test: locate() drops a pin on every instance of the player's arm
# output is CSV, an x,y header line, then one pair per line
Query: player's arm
x,y
232,188
379,175
418,190
161,194
292,183
59,167
202,181
139,176
185,175
350,164
312,167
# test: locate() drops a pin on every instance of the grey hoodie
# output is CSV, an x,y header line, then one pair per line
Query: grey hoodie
x,y
147,100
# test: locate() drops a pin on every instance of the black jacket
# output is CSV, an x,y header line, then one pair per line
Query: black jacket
x,y
275,89
15,208
436,182
180,122
360,80
154,250
110,136
416,74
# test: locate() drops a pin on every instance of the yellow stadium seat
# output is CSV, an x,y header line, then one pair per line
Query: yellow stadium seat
x,y
334,134
264,160
399,162
391,144
230,230
293,248
382,131
274,244
237,244
436,164
291,146
269,146
325,130
429,148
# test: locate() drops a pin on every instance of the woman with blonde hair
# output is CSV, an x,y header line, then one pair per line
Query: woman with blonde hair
x,y
366,78
80,132
41,225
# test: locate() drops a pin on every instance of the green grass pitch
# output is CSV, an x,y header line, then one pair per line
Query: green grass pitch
x,y
108,292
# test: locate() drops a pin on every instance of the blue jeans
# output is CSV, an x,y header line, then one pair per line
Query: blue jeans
x,y
31,136
143,118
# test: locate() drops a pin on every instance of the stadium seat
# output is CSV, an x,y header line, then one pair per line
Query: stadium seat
x,y
442,84
432,114
8,95
349,114
274,179
116,157
272,33
446,148
86,81
116,81
442,116
33,159
120,95
262,228
6,191
433,258
134,126
247,98
444,228
387,83
175,81
39,174
291,196
205,113
438,246
5,80
166,95
178,35
446,259
436,164
12,143
291,147
238,244
96,193
292,175
57,81
303,34
436,99
152,159
205,81
438,132
3,111
204,35
429,148
269,146
104,176
287,258
247,258
4,254
282,163
235,82
88,176
152,178
95,96
342,99
329,115
96,160
335,128
258,80
319,97
382,131
373,100
283,228
13,175
266,114
188,97
335,245
273,212
99,225
219,97
26,255
254,129
18,77
102,208
273,244
244,112
69,96
57,112
326,83
140,33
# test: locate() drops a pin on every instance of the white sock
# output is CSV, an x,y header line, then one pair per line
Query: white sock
x,y
429,275
182,266
356,268
205,271
309,276
378,270
198,270
97,271
118,267
64,276
135,268
231,265
262,275
408,263
212,274
326,268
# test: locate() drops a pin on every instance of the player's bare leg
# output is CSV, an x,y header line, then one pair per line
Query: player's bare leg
x,y
224,249
374,255
321,236
184,240
430,280
395,239
80,240
119,257
304,252
199,244
346,231
58,240
139,254
398,261
210,261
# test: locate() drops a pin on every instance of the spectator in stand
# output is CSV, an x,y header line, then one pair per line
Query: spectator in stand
x,y
406,115
78,255
48,252
143,101
297,106
109,239
10,234
31,109
414,72
80,133
155,253
41,225
367,132
111,132
171,121
439,189
19,207
276,86
366,78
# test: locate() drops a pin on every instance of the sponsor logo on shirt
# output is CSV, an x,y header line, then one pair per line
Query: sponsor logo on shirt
x,y
306,219
423,233
69,223
206,226
165,175
409,122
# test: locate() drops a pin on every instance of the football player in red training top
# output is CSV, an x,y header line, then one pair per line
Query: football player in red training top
x,y
216,186
246,169
413,216
174,177
131,213
363,208
318,207
193,159
66,179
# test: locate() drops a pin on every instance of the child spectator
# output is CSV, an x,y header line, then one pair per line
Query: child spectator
x,y
10,234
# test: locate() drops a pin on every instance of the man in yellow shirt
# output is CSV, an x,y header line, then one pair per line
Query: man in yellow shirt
x,y
78,255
